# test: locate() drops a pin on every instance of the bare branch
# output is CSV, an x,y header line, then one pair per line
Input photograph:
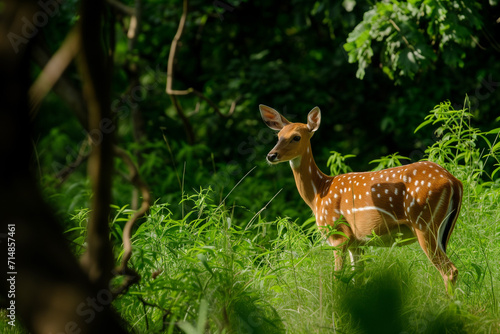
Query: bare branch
x,y
54,69
64,87
173,51
94,65
170,73
131,277
137,181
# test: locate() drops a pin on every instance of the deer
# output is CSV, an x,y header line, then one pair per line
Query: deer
x,y
418,201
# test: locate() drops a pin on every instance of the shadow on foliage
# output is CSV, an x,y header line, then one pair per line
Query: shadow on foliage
x,y
378,306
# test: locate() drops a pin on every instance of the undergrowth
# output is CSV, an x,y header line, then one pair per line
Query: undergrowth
x,y
204,271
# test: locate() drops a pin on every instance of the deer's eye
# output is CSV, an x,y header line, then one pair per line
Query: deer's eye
x,y
296,138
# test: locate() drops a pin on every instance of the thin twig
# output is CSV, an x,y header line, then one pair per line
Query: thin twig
x,y
262,209
131,277
83,155
173,51
402,36
170,72
187,125
241,180
137,181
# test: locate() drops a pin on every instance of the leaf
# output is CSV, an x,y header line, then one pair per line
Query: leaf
x,y
496,147
202,316
494,172
187,327
494,131
430,120
204,261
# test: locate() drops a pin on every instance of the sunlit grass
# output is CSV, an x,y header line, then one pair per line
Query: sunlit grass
x,y
277,276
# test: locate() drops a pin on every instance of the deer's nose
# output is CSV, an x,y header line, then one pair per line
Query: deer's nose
x,y
272,157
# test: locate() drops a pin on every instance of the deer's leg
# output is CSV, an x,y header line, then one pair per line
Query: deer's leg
x,y
355,254
428,241
339,260
339,253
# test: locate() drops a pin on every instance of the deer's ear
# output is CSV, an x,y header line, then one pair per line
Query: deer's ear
x,y
314,119
272,118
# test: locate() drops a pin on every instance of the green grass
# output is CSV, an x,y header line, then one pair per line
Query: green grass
x,y
258,276
275,277
206,269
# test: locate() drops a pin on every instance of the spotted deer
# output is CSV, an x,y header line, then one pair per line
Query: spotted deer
x,y
419,200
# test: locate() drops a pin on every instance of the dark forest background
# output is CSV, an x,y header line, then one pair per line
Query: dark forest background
x,y
291,56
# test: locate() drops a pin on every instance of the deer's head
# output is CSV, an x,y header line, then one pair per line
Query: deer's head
x,y
293,138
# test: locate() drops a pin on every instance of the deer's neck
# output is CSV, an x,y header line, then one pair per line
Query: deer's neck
x,y
309,179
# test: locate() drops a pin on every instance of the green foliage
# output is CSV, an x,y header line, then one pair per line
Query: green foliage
x,y
392,160
248,270
203,269
207,272
460,144
413,34
337,163
291,58
202,259
202,318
